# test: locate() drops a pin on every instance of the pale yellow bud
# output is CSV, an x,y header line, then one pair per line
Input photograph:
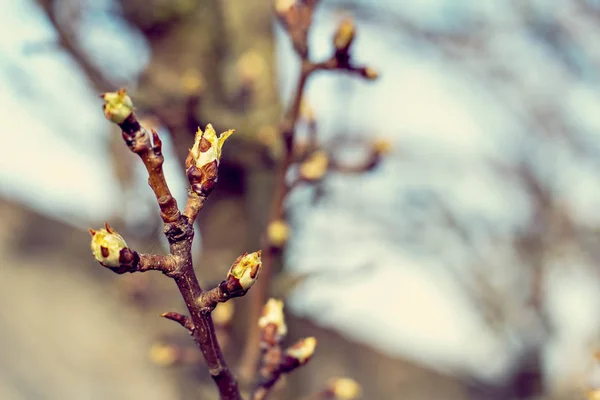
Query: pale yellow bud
x,y
382,146
345,388
117,106
273,314
278,233
246,269
315,167
203,160
303,350
106,246
371,73
344,35
207,146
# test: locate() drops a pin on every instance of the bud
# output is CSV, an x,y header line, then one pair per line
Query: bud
x,y
344,388
381,146
110,249
303,350
243,273
278,233
344,36
273,315
315,167
371,74
117,106
251,66
203,159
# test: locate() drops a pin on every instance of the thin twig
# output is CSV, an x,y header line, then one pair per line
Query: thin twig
x,y
138,140
181,319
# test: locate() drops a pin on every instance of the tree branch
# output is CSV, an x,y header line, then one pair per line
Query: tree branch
x,y
296,18
275,361
110,248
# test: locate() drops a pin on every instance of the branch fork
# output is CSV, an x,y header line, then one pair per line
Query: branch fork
x,y
110,249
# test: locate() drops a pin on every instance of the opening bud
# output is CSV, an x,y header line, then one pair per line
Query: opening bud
x,y
273,315
117,106
203,159
244,272
108,246
303,350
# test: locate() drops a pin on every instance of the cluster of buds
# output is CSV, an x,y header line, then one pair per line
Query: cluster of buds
x,y
117,106
110,249
203,160
274,330
242,275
